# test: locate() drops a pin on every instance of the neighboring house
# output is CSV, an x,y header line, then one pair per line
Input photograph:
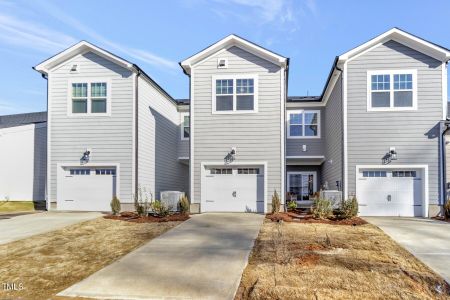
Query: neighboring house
x,y
111,130
375,132
23,157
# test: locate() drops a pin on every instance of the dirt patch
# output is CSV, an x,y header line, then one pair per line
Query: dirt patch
x,y
132,217
292,217
49,263
324,261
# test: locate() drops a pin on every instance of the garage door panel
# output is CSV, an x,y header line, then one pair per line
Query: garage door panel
x,y
385,194
87,192
233,192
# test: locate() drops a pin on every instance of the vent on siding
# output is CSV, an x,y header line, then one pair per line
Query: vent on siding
x,y
222,63
74,69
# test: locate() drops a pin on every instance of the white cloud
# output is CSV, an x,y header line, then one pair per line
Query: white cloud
x,y
139,54
32,35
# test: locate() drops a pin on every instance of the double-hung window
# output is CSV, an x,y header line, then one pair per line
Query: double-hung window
x,y
392,90
303,124
89,98
235,94
185,126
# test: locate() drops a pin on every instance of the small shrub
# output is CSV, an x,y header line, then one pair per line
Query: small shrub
x,y
447,210
292,205
276,202
184,205
322,209
348,208
115,205
142,201
160,208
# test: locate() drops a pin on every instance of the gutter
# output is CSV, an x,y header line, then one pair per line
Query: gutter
x,y
136,133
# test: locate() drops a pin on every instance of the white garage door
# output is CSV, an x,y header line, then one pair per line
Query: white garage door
x,y
237,189
396,192
86,189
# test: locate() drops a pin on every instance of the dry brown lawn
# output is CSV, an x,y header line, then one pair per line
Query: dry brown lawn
x,y
321,261
49,263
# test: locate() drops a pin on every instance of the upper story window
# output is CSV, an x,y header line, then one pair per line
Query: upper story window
x,y
235,94
392,90
303,124
89,98
185,126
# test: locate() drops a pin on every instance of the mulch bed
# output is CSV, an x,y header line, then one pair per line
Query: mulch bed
x,y
135,218
306,218
441,219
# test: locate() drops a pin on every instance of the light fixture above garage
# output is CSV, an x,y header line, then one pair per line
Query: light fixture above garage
x,y
390,156
229,158
86,156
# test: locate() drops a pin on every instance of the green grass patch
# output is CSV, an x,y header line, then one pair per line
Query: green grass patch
x,y
11,206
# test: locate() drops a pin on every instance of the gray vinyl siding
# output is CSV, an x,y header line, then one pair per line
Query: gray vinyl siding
x,y
40,162
332,133
314,147
109,137
257,136
159,126
414,134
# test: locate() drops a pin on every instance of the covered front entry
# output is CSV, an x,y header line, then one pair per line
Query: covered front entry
x,y
393,191
233,189
86,188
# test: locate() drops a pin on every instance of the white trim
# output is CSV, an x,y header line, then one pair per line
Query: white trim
x,y
88,81
425,200
191,140
234,77
391,90
302,111
182,115
444,91
404,38
49,153
228,42
283,134
205,164
133,137
314,173
305,157
80,48
59,172
183,157
345,131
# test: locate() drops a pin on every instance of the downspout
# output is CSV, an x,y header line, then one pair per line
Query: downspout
x,y
136,132
286,86
342,140
444,162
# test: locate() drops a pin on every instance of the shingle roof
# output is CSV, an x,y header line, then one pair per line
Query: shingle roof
x,y
183,101
22,119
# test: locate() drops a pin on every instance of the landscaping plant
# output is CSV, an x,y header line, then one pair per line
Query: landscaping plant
x,y
184,205
322,209
142,201
276,202
348,208
447,210
115,205
160,208
292,205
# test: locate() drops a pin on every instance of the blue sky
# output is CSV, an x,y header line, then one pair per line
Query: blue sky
x,y
156,35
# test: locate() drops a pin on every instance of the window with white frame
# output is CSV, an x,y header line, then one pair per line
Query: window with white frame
x,y
235,94
392,90
185,126
89,98
303,124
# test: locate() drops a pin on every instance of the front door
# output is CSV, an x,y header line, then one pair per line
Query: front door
x,y
302,185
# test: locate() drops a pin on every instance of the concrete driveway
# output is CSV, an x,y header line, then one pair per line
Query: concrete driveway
x,y
427,239
203,258
16,227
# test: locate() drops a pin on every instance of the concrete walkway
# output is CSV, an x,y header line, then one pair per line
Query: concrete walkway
x,y
203,258
16,227
427,239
